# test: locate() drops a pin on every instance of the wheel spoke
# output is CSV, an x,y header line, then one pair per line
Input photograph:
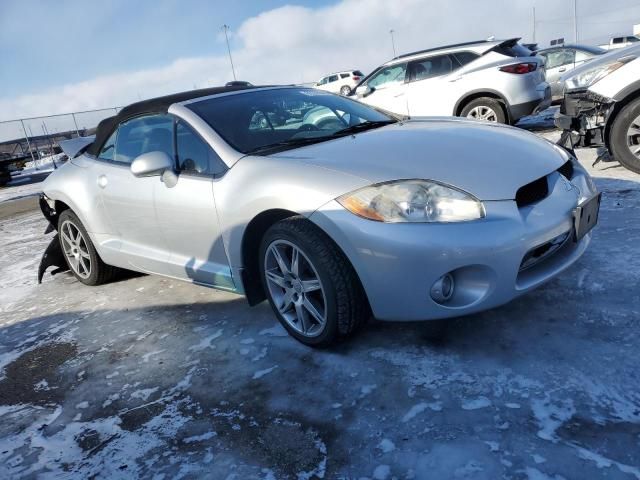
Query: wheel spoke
x,y
81,263
275,278
310,285
313,311
278,256
301,314
286,301
66,238
633,130
295,258
84,254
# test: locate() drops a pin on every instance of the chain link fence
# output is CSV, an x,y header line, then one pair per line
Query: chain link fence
x,y
35,138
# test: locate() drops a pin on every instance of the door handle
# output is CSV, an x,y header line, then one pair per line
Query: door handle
x,y
399,95
563,69
102,181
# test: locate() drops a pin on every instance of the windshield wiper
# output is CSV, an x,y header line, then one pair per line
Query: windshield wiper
x,y
361,127
285,144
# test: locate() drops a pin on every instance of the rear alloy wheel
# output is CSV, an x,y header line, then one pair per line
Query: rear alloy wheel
x,y
346,90
79,252
484,108
625,137
310,284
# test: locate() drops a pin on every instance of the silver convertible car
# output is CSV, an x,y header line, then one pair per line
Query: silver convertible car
x,y
330,209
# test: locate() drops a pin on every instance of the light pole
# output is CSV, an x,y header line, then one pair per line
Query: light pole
x,y
233,70
393,43
575,20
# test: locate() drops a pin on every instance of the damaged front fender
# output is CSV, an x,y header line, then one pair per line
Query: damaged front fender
x,y
53,256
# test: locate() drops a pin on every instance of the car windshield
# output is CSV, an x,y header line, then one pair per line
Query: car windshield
x,y
267,121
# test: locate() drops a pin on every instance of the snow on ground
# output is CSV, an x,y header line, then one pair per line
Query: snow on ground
x,y
151,377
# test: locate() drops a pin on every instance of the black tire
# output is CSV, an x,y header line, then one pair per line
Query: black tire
x,y
618,140
491,103
346,304
100,272
345,90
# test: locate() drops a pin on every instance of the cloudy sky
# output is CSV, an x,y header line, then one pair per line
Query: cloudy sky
x,y
73,55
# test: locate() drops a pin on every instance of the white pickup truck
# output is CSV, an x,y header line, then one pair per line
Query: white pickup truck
x,y
601,107
620,42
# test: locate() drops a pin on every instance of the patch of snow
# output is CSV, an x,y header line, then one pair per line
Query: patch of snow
x,y
381,472
200,438
386,445
276,331
476,403
262,373
206,342
551,416
144,394
421,407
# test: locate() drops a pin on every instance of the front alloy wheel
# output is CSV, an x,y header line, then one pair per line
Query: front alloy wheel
x,y
295,288
75,249
309,282
80,254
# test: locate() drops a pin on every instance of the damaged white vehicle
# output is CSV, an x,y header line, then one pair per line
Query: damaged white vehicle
x,y
601,107
328,208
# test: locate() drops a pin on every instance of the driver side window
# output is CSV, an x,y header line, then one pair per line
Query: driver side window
x,y
388,76
144,134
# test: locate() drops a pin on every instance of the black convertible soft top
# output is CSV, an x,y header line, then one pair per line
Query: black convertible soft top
x,y
152,105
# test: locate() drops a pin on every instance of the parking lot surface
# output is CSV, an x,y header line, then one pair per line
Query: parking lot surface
x,y
152,377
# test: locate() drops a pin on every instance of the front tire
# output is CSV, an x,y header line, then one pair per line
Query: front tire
x,y
484,108
625,137
310,284
79,252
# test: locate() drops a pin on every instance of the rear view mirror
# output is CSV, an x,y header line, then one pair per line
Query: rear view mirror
x,y
151,164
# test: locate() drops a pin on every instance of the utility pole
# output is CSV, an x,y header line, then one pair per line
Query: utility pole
x,y
393,43
575,20
233,70
534,25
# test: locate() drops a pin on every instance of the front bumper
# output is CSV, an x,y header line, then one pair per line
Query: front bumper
x,y
584,116
399,263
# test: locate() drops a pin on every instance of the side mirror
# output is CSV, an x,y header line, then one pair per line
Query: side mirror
x,y
151,163
363,91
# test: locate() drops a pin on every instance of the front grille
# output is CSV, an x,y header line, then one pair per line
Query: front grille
x,y
539,253
532,192
566,170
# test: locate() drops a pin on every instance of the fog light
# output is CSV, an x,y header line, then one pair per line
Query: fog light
x,y
442,289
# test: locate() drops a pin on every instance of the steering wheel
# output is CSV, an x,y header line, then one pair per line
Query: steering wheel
x,y
308,127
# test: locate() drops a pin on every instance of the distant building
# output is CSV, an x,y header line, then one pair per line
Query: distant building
x,y
636,30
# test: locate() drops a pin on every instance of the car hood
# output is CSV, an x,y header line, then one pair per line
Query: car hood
x,y
487,160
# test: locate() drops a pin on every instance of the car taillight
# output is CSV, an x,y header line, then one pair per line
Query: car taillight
x,y
520,68
356,78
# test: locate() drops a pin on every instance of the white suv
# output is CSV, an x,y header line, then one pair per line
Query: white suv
x,y
498,81
340,82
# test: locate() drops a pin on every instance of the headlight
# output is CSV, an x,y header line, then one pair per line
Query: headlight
x,y
413,201
595,74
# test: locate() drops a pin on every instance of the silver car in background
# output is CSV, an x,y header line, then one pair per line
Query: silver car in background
x,y
330,209
563,59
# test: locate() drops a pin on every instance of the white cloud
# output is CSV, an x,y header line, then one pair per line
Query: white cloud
x,y
293,44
